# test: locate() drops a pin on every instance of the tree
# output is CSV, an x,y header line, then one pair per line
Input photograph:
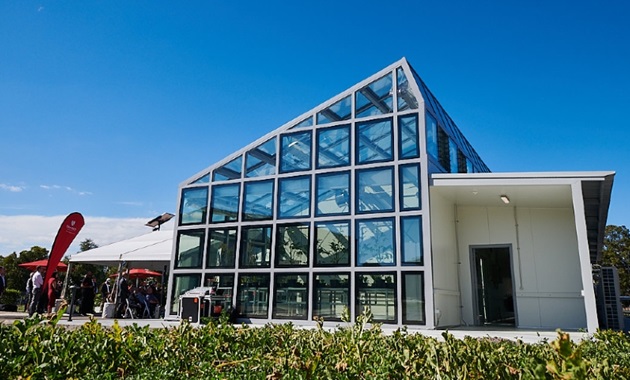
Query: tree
x,y
616,252
17,276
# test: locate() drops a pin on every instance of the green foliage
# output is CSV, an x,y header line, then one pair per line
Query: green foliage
x,y
10,297
616,252
41,349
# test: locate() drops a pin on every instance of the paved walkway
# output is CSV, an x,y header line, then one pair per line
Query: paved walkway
x,y
527,336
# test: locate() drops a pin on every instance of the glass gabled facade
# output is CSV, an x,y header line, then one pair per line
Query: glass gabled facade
x,y
329,212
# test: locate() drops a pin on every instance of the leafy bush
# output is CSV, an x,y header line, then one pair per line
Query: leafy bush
x,y
10,297
42,349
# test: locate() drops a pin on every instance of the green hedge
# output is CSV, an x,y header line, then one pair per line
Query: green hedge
x,y
42,349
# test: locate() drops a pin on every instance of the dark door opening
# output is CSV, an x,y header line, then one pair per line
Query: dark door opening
x,y
494,287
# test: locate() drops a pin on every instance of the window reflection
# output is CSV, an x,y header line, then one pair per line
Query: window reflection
x,y
432,138
255,247
410,187
375,242
258,200
374,141
332,244
331,295
221,248
413,298
294,197
193,205
295,152
291,296
333,194
405,97
252,299
408,136
377,292
411,240
261,161
190,248
231,170
375,190
225,200
292,245
308,122
375,98
333,147
339,111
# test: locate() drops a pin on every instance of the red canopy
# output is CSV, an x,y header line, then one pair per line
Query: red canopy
x,y
61,267
141,273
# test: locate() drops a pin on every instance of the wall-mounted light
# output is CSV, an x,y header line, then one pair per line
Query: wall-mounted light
x,y
505,199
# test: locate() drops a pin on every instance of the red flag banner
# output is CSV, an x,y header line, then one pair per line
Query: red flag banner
x,y
67,232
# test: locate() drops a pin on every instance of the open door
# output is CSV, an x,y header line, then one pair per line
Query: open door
x,y
494,288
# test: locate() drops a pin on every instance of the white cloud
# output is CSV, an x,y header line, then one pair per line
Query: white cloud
x,y
22,232
67,188
13,189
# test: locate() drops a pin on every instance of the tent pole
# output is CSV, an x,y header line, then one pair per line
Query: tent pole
x,y
65,281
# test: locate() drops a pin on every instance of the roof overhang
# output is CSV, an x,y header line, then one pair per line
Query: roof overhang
x,y
544,190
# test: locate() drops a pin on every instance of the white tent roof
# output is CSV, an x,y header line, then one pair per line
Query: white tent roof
x,y
151,251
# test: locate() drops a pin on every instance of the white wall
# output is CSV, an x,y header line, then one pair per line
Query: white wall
x,y
445,262
546,267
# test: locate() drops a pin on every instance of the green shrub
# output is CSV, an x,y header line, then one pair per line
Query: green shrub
x,y
42,349
10,297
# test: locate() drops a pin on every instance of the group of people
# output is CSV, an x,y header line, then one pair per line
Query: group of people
x,y
138,300
41,297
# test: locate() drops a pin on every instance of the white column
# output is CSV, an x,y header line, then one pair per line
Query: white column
x,y
588,292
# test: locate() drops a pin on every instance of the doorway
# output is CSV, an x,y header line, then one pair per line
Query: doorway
x,y
494,287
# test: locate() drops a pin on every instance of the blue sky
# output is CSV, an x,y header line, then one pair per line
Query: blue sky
x,y
106,107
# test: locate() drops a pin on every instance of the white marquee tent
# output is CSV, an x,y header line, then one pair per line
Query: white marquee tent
x,y
151,251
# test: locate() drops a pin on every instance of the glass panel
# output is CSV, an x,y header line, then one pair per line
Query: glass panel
x,y
377,292
258,200
252,299
296,152
410,187
408,136
337,112
294,197
375,190
375,98
333,244
181,284
405,97
452,149
261,161
193,206
291,296
255,247
304,123
333,194
231,170
331,295
221,248
190,248
333,147
219,281
204,179
432,140
443,149
375,242
413,298
374,141
225,200
469,166
292,245
462,166
411,240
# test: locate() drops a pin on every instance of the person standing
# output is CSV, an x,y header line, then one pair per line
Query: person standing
x,y
29,290
122,293
51,291
106,290
87,295
38,284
